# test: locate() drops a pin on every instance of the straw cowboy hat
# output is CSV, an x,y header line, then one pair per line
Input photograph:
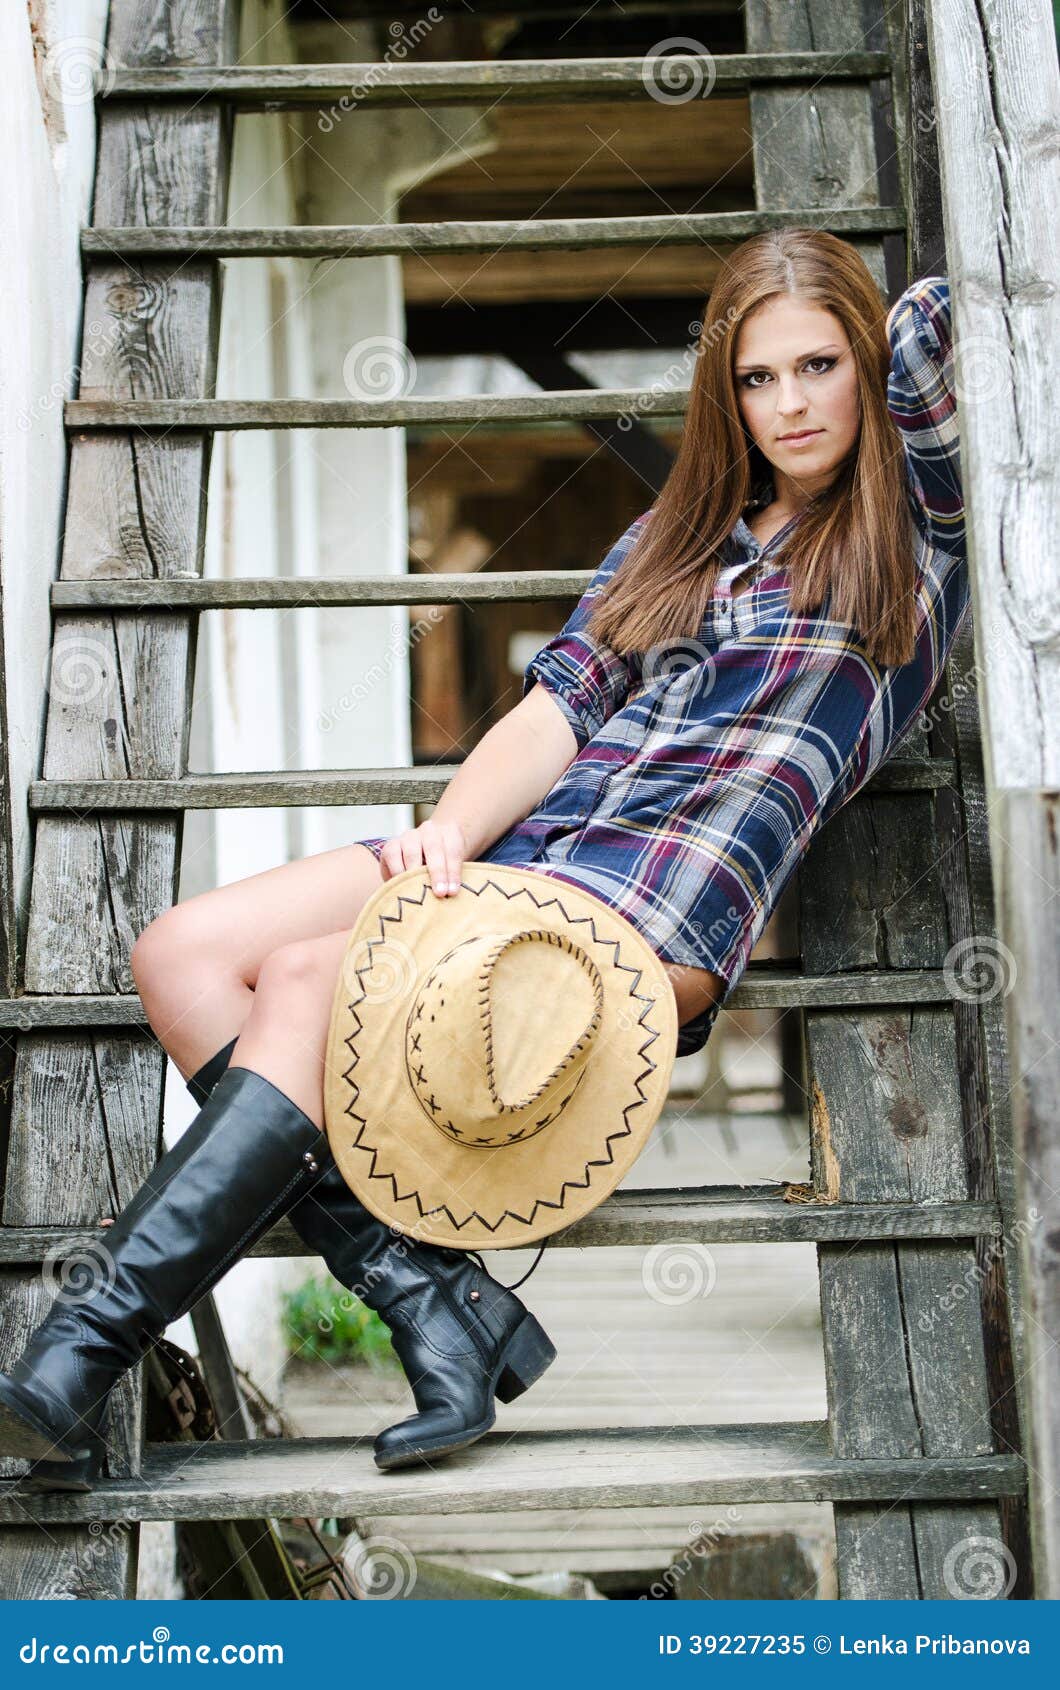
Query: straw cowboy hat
x,y
496,1058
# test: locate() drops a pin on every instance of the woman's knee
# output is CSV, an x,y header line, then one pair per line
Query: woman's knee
x,y
303,969
158,947
176,951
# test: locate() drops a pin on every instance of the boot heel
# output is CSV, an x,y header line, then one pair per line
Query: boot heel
x,y
80,1473
531,1350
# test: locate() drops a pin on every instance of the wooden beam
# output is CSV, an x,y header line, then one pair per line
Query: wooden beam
x,y
484,409
458,10
531,234
96,882
997,94
761,986
606,1468
276,592
258,790
711,1215
884,1103
473,82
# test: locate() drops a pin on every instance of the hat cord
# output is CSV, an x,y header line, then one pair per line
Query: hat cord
x,y
526,1275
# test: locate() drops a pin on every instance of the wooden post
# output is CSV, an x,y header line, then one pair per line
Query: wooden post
x,y
903,1378
997,99
87,1108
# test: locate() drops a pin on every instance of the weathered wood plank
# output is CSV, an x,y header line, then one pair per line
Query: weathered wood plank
x,y
710,1215
275,592
814,144
997,84
117,704
477,82
762,986
531,234
982,1061
997,92
886,1122
1031,923
484,409
536,8
257,789
602,1468
884,1101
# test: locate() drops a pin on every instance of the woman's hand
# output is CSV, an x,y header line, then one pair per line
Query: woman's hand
x,y
440,846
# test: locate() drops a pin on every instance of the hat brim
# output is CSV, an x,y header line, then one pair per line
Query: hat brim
x,y
416,1178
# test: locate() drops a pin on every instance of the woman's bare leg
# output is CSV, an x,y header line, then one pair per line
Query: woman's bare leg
x,y
285,1033
694,988
196,965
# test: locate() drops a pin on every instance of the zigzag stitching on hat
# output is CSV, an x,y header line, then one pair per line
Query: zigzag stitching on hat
x,y
539,903
508,1214
512,1214
614,944
568,1184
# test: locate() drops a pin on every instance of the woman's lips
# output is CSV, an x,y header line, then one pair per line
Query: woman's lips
x,y
797,439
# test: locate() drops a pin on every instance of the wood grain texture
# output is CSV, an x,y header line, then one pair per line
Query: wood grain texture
x,y
86,1103
997,87
533,234
711,1214
282,87
603,1468
884,1100
255,789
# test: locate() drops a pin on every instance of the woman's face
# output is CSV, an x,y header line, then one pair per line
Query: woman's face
x,y
794,370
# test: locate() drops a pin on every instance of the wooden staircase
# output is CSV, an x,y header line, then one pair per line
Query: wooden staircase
x,y
905,1078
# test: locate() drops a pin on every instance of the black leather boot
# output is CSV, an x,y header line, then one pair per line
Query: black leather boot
x,y
461,1337
249,1154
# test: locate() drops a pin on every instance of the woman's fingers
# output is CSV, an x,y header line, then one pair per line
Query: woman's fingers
x,y
442,849
437,846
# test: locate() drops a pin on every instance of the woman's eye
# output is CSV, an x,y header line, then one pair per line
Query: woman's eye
x,y
748,380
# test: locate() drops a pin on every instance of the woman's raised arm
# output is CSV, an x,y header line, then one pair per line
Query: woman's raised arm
x,y
922,401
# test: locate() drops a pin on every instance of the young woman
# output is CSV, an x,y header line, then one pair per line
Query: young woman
x,y
745,657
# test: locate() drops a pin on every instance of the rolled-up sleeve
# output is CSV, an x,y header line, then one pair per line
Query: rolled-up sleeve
x,y
588,680
922,402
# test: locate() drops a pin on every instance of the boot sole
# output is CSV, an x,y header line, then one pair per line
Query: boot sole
x,y
23,1433
413,1455
528,1353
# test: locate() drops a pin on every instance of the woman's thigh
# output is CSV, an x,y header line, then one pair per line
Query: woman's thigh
x,y
241,924
694,988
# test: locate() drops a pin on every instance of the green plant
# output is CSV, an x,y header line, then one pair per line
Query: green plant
x,y
323,1321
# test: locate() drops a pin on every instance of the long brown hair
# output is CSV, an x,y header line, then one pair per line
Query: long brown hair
x,y
856,539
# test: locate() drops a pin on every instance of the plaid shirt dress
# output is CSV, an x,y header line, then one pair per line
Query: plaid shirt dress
x,y
704,767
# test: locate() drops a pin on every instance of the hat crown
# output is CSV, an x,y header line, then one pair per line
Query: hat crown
x,y
499,1034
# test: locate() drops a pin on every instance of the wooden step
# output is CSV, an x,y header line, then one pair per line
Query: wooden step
x,y
323,1477
761,986
261,789
564,234
271,592
485,409
709,1214
413,9
473,82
